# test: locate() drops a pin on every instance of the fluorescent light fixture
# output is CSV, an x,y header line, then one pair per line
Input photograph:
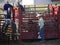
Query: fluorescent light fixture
x,y
27,2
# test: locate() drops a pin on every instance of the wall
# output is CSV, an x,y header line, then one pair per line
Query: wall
x,y
38,2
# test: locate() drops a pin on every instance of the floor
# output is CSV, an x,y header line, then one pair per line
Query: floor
x,y
47,42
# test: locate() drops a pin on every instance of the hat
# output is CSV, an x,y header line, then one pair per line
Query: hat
x,y
38,15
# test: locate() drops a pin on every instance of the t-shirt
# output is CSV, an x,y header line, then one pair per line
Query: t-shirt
x,y
6,6
41,22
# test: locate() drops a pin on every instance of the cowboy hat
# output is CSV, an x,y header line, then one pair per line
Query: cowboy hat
x,y
38,15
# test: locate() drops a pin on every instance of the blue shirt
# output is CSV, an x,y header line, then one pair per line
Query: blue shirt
x,y
6,6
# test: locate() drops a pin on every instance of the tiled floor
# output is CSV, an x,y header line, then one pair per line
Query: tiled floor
x,y
47,42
